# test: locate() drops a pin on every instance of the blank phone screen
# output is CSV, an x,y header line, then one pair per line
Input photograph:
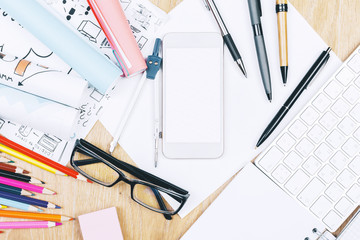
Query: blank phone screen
x,y
192,95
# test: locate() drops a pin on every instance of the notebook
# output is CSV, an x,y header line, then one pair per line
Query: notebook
x,y
352,229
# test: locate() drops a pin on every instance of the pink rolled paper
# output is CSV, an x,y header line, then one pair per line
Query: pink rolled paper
x,y
112,20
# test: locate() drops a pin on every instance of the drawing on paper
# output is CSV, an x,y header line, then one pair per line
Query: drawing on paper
x,y
2,122
48,142
25,131
89,30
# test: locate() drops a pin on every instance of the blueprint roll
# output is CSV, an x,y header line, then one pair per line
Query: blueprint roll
x,y
64,42
39,113
41,81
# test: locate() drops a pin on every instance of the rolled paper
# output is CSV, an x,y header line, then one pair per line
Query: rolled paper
x,y
111,17
37,112
42,81
92,65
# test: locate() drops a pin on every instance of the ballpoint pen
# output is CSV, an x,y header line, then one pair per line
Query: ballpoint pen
x,y
210,5
255,14
153,66
281,11
304,83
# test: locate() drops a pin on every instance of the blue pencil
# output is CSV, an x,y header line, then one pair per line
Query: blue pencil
x,y
27,200
19,205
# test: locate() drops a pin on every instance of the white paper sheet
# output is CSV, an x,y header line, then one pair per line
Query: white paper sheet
x,y
145,19
252,207
247,110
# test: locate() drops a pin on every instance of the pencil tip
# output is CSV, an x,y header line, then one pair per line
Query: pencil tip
x,y
26,172
42,182
58,224
33,194
71,219
57,207
11,161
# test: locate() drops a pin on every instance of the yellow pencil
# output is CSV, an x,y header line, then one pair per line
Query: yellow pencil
x,y
28,159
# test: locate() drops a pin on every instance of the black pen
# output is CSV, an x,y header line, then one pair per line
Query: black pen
x,y
304,83
210,5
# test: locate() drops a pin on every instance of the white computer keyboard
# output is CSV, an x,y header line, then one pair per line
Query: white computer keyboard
x,y
316,158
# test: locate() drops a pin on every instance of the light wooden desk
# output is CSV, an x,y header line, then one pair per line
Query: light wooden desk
x,y
337,21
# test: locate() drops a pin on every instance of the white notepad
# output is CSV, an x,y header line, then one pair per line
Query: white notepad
x,y
352,230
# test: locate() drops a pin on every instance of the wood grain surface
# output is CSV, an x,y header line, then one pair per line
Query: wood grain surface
x,y
337,21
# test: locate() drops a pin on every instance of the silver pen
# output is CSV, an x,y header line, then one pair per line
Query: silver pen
x,y
210,5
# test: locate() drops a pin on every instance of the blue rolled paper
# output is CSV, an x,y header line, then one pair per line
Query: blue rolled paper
x,y
64,41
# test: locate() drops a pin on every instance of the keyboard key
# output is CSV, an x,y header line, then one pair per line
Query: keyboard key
x,y
323,152
321,207
297,129
345,76
332,220
311,165
351,95
339,160
311,192
328,121
347,126
344,206
309,116
355,165
297,182
327,173
305,147
316,134
321,102
354,63
355,113
346,178
351,147
340,108
334,192
281,174
271,158
357,134
335,139
354,193
357,82
333,89
286,142
293,160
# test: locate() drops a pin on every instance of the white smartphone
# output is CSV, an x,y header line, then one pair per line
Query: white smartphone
x,y
193,102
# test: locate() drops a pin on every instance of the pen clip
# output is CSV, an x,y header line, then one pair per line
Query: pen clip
x,y
259,7
206,5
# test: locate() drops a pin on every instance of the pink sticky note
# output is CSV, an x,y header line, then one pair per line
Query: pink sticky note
x,y
103,224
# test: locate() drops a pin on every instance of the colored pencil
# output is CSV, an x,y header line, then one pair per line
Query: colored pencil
x,y
28,200
36,216
20,177
12,168
5,160
26,186
2,206
19,205
42,159
28,159
15,190
29,224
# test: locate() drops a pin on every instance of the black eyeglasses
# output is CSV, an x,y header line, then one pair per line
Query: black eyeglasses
x,y
148,190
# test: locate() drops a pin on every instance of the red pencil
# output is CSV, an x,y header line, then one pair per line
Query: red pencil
x,y
40,158
12,168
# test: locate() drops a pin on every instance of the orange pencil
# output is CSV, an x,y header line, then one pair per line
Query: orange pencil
x,y
40,158
12,168
37,216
